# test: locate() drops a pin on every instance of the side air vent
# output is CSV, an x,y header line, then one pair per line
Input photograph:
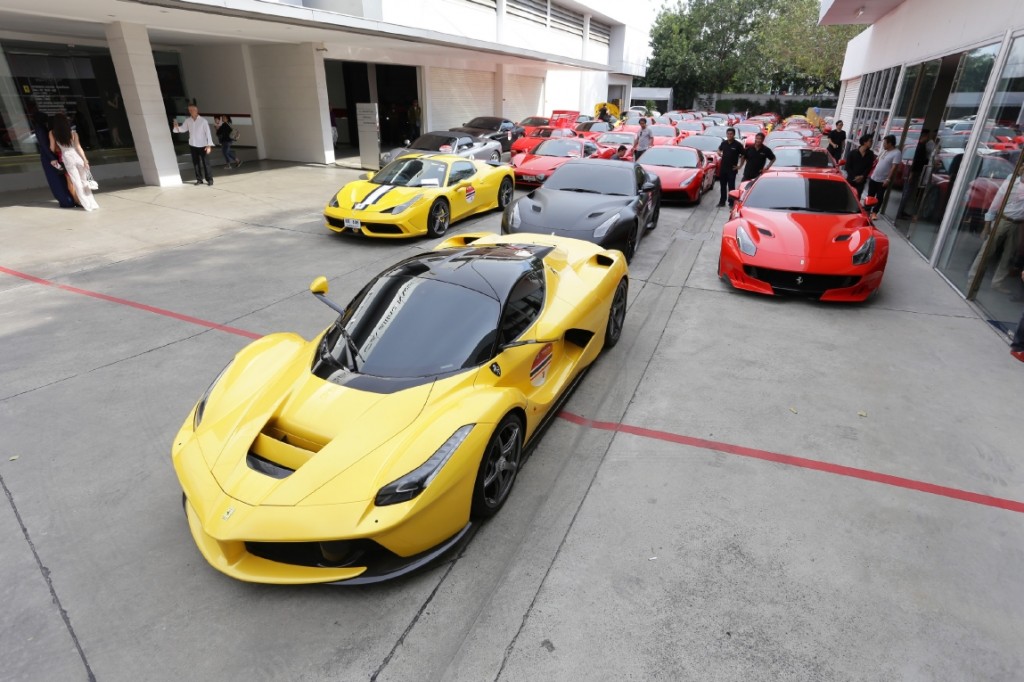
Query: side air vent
x,y
460,240
278,454
266,467
579,337
766,233
603,260
842,238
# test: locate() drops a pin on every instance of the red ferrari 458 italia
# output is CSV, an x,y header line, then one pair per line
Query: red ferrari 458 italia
x,y
685,172
802,233
533,169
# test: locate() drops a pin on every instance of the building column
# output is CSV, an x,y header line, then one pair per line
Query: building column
x,y
499,89
140,89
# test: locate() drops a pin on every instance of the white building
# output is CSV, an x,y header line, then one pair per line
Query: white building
x,y
955,68
290,72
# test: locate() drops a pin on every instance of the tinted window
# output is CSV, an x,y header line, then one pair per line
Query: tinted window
x,y
559,147
747,128
415,172
663,131
616,138
806,158
534,121
594,127
461,170
488,122
691,125
410,327
802,194
673,157
523,307
434,143
600,178
717,131
704,143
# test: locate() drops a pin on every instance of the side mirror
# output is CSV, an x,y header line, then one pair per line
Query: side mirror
x,y
648,186
366,176
735,194
871,201
842,162
319,286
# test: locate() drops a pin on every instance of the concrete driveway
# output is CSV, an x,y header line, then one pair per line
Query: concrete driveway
x,y
745,488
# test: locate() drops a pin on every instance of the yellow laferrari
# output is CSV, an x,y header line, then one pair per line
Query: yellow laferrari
x,y
419,194
370,451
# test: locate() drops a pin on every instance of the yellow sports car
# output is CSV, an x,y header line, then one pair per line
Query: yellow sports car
x,y
369,451
419,194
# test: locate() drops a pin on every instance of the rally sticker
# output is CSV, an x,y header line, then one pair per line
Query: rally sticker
x,y
539,370
470,194
445,148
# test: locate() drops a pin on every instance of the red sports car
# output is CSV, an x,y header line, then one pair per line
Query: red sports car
x,y
684,171
529,142
534,169
591,129
708,146
531,123
608,143
687,128
803,159
802,233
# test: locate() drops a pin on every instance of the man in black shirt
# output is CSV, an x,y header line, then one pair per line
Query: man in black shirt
x,y
837,141
755,157
731,150
858,164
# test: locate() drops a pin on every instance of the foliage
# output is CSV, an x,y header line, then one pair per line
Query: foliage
x,y
702,46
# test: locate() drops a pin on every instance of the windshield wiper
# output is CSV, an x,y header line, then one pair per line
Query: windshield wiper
x,y
350,347
353,350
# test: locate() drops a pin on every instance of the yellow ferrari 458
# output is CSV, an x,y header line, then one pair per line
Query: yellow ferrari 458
x,y
419,194
370,450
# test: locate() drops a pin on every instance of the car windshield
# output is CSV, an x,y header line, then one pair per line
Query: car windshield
x,y
783,135
594,127
716,130
616,138
406,327
541,132
534,121
747,128
996,168
801,158
672,157
691,125
412,172
802,195
600,178
486,122
705,143
435,143
663,131
556,147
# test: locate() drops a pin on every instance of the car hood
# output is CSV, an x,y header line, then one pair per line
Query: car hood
x,y
479,132
532,165
670,175
809,236
548,209
367,196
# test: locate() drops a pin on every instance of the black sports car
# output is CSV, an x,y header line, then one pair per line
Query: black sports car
x,y
493,127
611,203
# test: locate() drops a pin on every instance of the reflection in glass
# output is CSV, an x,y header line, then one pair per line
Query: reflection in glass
x,y
906,126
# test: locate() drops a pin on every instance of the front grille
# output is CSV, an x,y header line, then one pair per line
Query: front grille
x,y
333,554
335,222
800,282
382,228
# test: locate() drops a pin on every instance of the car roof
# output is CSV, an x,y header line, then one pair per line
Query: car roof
x,y
488,269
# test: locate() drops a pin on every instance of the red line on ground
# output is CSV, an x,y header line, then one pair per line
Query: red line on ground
x,y
837,469
132,304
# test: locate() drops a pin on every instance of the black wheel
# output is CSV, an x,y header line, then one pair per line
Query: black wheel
x,y
498,467
654,218
629,247
439,218
616,315
495,156
505,191
700,195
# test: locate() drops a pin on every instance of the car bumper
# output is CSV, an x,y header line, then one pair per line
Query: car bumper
x,y
691,193
856,284
409,223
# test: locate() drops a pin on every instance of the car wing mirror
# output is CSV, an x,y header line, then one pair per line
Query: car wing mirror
x,y
366,176
648,186
319,288
871,201
735,193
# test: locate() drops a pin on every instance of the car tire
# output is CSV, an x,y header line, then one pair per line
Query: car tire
x,y
616,314
629,246
654,218
495,156
499,467
439,219
506,191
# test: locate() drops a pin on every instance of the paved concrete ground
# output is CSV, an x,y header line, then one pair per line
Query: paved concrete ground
x,y
668,549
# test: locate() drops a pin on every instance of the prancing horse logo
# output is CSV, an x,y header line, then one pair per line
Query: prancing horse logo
x,y
799,280
227,514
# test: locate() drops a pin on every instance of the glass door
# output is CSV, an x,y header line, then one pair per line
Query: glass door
x,y
907,122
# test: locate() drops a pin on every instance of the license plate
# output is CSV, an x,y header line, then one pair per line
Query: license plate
x,y
529,178
352,223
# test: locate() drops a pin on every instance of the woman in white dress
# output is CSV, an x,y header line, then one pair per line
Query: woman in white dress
x,y
73,158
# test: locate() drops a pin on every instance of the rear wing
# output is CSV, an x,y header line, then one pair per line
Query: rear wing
x,y
563,118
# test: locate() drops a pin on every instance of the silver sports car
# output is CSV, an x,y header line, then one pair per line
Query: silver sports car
x,y
447,142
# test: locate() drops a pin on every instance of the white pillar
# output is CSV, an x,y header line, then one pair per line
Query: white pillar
x,y
499,89
140,89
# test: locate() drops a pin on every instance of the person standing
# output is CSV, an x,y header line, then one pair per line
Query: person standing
x,y
224,136
730,151
52,168
415,116
200,142
603,115
644,140
922,155
881,177
74,159
858,164
755,157
1005,233
837,141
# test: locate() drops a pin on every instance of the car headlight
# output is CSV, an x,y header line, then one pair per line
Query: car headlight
x,y
417,480
401,207
687,182
603,228
513,217
746,244
333,203
865,253
542,176
201,405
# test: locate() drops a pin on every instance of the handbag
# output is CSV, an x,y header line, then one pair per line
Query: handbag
x,y
235,134
91,181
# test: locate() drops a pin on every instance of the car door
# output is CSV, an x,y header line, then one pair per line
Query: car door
x,y
645,198
462,190
529,365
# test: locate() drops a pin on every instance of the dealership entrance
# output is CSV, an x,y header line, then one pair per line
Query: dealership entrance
x,y
392,87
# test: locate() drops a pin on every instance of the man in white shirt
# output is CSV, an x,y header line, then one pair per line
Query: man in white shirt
x,y
881,178
1005,232
200,142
